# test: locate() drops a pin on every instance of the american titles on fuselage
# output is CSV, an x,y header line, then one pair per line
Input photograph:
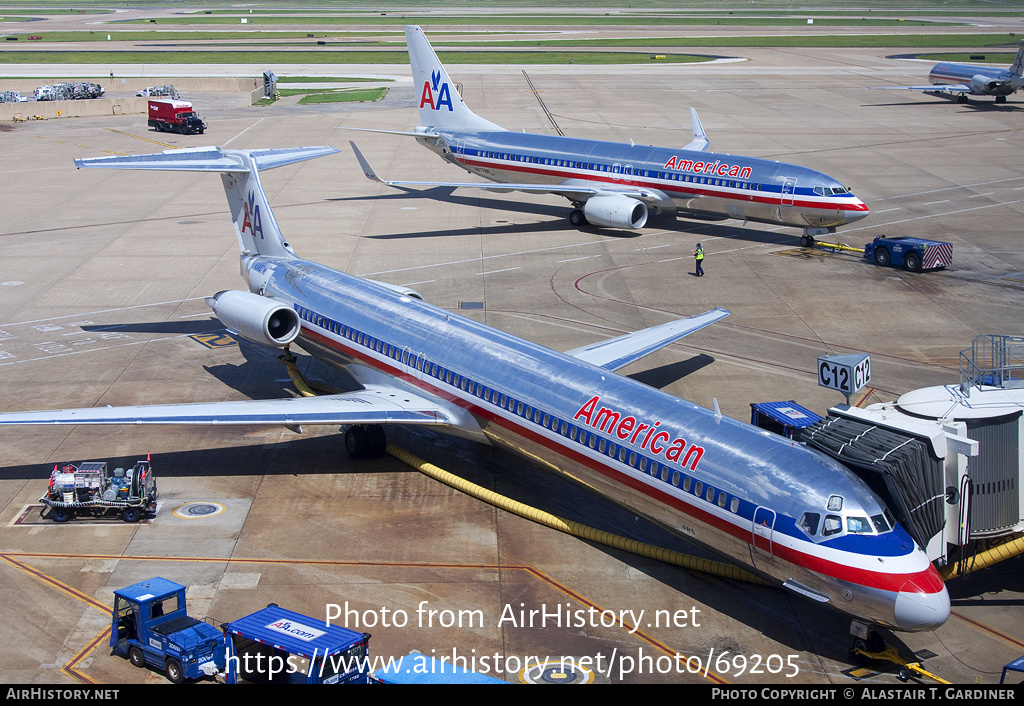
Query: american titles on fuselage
x,y
716,168
627,427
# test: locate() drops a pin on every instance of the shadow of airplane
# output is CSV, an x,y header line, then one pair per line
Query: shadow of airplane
x,y
664,375
974,105
187,327
683,222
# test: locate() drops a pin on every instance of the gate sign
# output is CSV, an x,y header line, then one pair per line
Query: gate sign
x,y
846,373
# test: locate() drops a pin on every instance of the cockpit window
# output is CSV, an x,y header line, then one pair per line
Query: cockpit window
x,y
833,525
809,522
880,523
840,190
835,503
858,525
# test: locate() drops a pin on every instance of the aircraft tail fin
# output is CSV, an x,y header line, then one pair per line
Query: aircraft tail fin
x,y
255,226
1018,63
441,105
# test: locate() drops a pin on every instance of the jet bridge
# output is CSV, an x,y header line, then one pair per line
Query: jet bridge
x,y
903,460
948,460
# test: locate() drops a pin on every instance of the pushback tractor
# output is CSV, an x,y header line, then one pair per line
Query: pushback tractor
x,y
912,254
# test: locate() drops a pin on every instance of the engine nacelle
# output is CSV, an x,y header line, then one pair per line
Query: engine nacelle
x,y
615,212
983,84
255,318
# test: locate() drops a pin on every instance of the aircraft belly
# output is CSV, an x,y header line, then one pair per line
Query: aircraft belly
x,y
730,208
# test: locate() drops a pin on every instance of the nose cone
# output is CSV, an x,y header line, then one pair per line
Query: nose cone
x,y
919,610
857,210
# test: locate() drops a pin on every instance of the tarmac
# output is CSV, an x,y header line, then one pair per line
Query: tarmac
x,y
103,277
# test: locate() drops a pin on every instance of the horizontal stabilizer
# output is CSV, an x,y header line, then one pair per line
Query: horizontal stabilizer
x,y
405,133
206,159
618,352
374,405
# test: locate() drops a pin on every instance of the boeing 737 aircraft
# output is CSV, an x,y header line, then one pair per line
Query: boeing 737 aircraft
x,y
964,80
615,184
779,508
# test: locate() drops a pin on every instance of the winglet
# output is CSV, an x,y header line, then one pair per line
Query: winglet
x,y
367,169
700,140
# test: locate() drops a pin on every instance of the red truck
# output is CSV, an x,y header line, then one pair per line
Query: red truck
x,y
175,116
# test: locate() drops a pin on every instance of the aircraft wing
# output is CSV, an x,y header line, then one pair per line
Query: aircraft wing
x,y
376,404
619,352
576,189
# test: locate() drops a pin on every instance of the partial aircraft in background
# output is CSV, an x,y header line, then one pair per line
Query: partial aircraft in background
x,y
962,80
785,511
614,184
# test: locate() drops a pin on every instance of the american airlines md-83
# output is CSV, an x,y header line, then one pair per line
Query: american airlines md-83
x,y
962,80
788,513
614,184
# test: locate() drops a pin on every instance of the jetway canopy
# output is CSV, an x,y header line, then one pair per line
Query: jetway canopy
x,y
900,468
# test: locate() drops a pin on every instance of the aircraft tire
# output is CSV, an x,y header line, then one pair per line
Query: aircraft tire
x,y
912,262
356,443
577,219
881,257
807,241
375,434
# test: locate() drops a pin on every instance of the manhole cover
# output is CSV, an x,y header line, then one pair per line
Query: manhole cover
x,y
556,672
194,510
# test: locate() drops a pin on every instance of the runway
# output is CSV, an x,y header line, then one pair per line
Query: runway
x,y
103,276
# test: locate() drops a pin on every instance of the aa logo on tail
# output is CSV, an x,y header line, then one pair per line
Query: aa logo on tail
x,y
435,96
251,216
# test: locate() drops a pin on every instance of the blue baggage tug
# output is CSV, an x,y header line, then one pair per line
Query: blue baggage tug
x,y
279,646
151,627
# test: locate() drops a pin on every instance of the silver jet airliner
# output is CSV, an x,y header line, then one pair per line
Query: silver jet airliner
x,y
786,512
962,80
614,184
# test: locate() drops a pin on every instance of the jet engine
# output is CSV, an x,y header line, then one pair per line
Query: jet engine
x,y
615,212
255,318
983,84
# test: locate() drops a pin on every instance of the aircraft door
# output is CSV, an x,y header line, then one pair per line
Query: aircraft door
x,y
616,169
627,173
763,527
460,155
788,189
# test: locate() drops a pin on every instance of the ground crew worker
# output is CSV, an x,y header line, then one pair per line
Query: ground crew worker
x,y
698,256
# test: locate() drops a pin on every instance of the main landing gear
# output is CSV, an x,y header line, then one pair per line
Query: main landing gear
x,y
363,440
576,217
